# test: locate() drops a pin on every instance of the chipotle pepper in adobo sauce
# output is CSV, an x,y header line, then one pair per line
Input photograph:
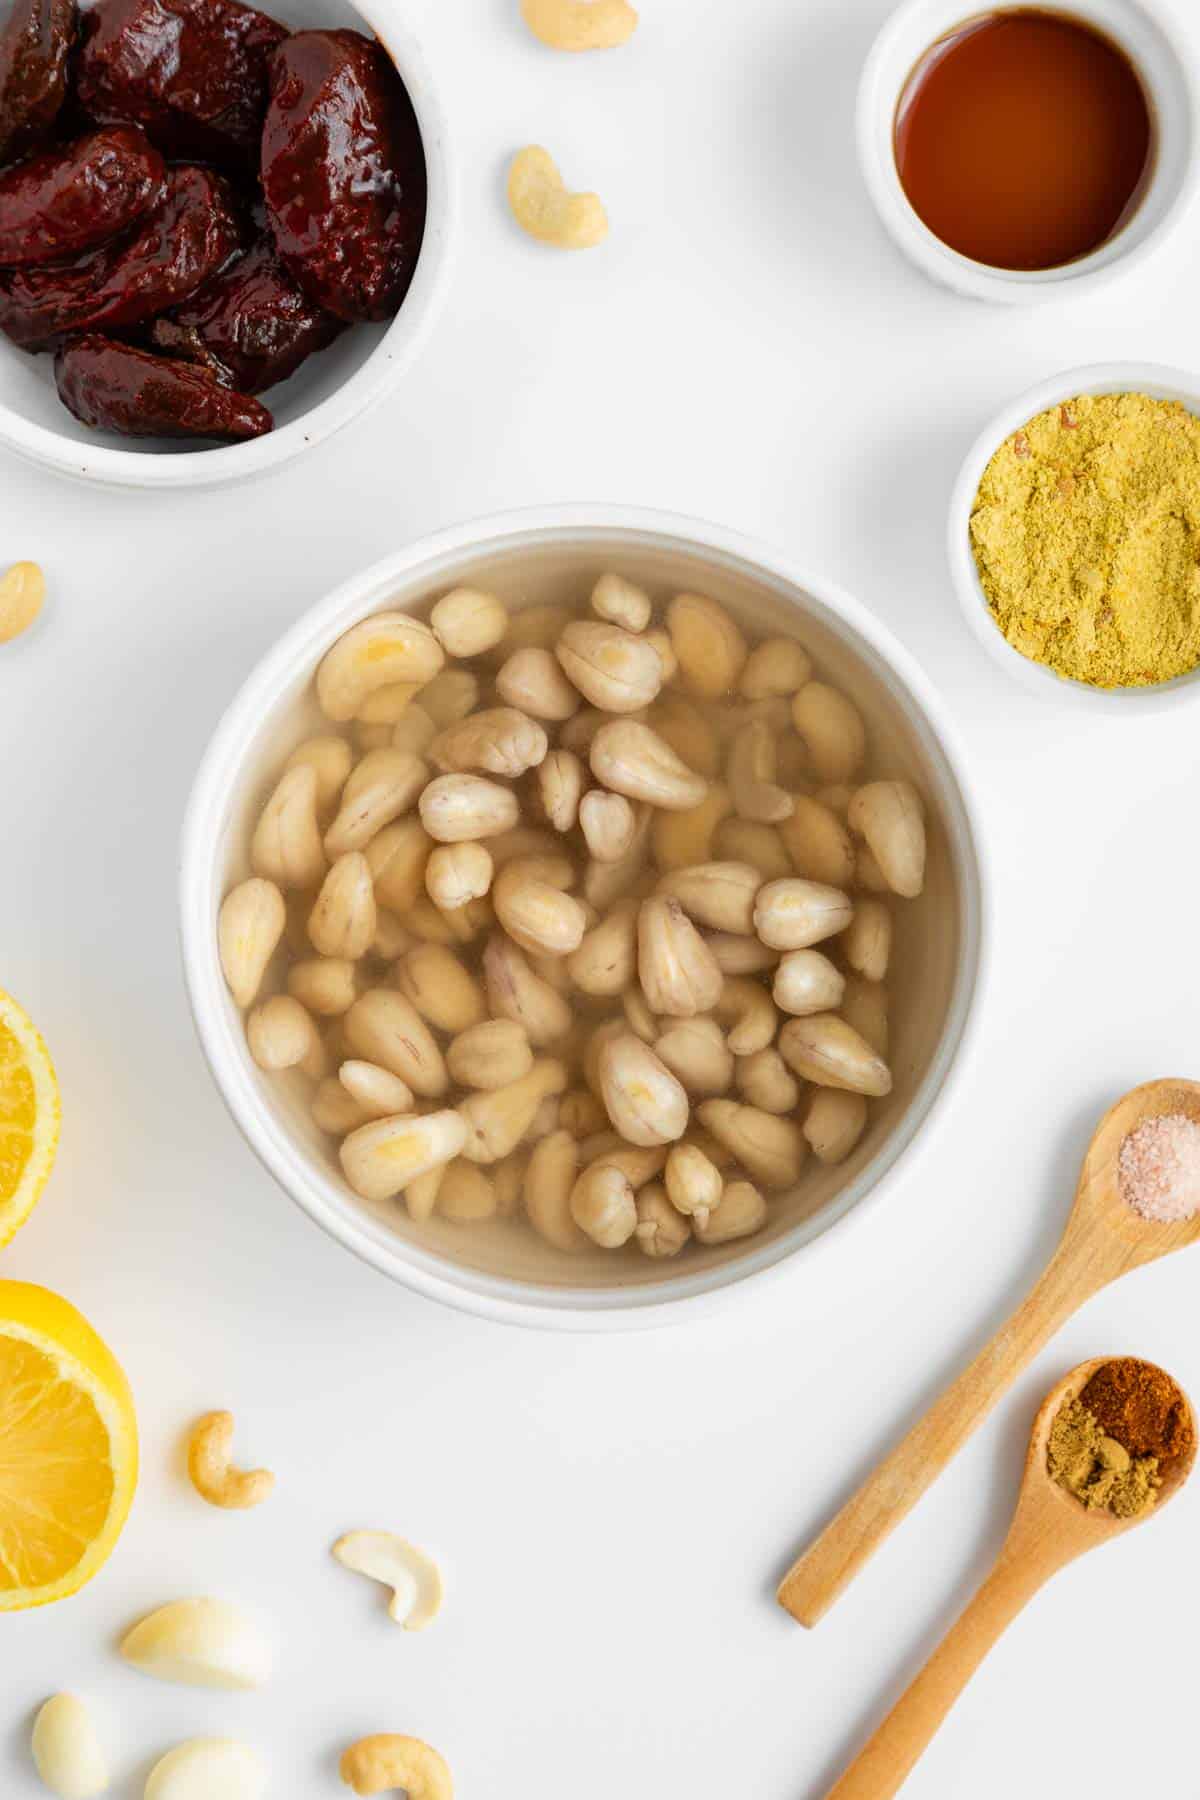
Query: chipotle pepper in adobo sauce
x,y
67,201
35,45
119,388
1023,139
343,172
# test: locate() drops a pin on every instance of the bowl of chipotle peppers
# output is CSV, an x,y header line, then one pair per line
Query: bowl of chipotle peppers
x,y
223,235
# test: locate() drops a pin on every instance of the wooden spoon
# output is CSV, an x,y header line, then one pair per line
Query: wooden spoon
x,y
1104,1238
1050,1529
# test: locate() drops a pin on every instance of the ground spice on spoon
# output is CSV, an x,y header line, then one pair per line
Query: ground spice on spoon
x,y
1126,1430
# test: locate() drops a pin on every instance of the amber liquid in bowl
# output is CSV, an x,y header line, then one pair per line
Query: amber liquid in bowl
x,y
1024,139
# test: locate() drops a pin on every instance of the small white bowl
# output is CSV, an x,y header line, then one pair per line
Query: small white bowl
x,y
362,367
1160,383
1154,44
493,1269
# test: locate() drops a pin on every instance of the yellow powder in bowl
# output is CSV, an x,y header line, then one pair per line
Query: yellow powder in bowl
x,y
1086,536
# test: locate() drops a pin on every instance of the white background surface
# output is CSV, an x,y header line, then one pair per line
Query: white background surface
x,y
611,1513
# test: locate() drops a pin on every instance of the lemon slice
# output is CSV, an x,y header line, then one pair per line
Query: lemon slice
x,y
68,1448
29,1115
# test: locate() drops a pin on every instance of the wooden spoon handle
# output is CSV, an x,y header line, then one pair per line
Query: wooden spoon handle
x,y
819,1575
884,1764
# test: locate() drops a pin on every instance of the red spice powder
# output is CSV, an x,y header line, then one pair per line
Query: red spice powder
x,y
1140,1406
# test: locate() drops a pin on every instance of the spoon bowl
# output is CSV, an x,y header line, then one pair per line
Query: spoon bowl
x,y
1050,1529
1104,1238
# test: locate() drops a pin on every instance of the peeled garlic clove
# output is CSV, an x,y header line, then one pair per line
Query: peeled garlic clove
x,y
824,1049
66,1750
205,1768
200,1643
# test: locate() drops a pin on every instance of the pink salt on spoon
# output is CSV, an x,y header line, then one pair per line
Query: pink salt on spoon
x,y
1138,1198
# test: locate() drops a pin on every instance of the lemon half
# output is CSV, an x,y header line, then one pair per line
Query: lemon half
x,y
68,1448
29,1115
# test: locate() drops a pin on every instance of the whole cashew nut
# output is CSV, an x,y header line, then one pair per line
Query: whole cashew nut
x,y
542,206
580,24
375,1765
211,1469
414,1579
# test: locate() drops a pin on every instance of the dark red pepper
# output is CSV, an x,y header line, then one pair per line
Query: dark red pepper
x,y
66,201
35,45
251,327
116,387
343,172
191,73
184,242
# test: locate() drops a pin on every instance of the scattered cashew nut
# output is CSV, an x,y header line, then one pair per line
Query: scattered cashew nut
x,y
213,1475
414,1579
580,24
542,206
375,1765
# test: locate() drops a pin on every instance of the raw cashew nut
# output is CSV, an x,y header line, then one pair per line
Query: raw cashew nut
x,y
690,734
750,1008
683,840
450,696
695,1050
342,923
458,873
762,846
867,940
492,1054
807,982
456,807
660,1230
776,666
211,1467
741,1211
606,961
421,1193
633,760
865,1007
532,681
335,1110
200,1643
537,915
249,928
384,1027
286,846
765,1081
440,988
720,894
384,785
693,1183
614,669
824,1049
818,843
549,1182
560,780
414,730
383,649
662,647
281,1035
201,1767
603,1205
646,1103
67,1751
738,955
542,206
381,1158
515,992
580,1113
640,1019
397,859
501,741
677,970
832,729
581,25
608,823
23,586
413,1577
769,1148
750,773
834,1124
710,649
619,601
387,706
536,627
379,1093
465,1194
467,622
497,1120
324,984
792,914
889,816
331,760
375,1765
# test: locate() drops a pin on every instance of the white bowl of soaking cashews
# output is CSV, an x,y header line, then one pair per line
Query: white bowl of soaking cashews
x,y
502,1266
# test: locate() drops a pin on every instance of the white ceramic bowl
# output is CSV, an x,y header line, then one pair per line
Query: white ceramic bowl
x,y
495,1269
358,370
1152,40
1160,383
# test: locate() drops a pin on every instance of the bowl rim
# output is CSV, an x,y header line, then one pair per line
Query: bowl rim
x,y
500,1298
375,378
1162,382
1141,28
